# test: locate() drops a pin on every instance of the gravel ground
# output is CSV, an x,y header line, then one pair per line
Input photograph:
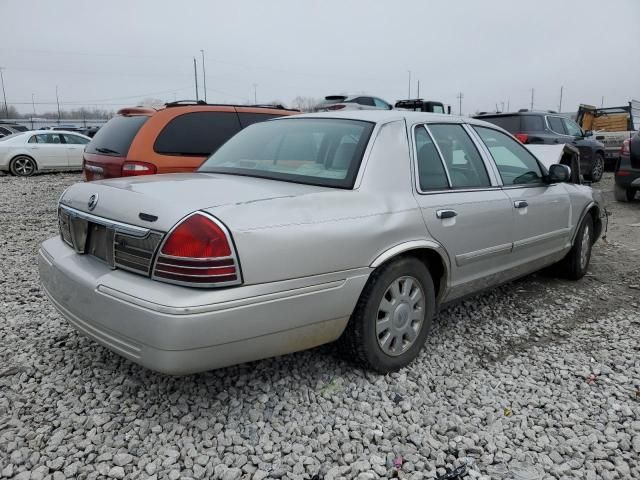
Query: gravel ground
x,y
537,379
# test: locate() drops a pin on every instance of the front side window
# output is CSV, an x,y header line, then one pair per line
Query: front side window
x,y
462,159
317,151
197,133
515,163
572,128
556,124
46,138
431,172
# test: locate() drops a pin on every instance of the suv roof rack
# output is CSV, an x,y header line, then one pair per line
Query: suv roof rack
x,y
178,103
181,103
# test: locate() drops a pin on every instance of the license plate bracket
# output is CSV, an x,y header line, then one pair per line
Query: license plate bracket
x,y
100,243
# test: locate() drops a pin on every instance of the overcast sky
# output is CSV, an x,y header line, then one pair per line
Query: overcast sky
x,y
117,52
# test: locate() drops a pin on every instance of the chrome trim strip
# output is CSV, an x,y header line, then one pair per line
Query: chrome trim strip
x,y
528,242
477,255
236,262
120,227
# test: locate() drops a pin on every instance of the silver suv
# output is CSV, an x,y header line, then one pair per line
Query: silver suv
x,y
303,230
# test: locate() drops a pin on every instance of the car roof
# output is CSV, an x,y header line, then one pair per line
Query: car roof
x,y
52,132
201,106
386,116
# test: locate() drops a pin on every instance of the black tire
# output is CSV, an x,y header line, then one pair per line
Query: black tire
x,y
597,168
360,341
572,266
23,166
622,194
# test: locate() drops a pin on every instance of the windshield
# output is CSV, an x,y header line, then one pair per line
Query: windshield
x,y
317,151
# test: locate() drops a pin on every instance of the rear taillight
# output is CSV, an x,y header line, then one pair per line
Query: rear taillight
x,y
625,151
198,252
338,106
623,173
132,169
522,137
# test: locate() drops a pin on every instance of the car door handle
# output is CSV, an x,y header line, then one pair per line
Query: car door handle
x,y
520,204
446,213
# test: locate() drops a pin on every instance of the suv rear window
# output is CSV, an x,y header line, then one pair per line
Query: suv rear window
x,y
197,133
116,136
511,123
532,123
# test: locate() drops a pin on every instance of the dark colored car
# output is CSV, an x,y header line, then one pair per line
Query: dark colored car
x,y
627,175
420,105
7,128
550,128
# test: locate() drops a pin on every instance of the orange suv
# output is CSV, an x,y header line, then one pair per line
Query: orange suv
x,y
175,138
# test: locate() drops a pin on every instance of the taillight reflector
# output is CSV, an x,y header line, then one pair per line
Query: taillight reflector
x,y
625,150
198,252
133,169
522,137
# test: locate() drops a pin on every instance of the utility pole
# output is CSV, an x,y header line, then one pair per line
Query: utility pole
x,y
418,95
409,91
532,93
508,104
601,103
255,93
6,108
58,102
204,77
33,104
502,106
460,96
195,76
560,106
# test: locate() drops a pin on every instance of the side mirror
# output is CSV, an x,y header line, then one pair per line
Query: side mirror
x,y
559,173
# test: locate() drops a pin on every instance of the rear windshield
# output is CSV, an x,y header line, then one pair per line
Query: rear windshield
x,y
116,136
316,151
511,123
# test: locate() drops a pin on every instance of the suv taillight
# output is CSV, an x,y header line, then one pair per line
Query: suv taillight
x,y
198,252
522,137
625,151
132,169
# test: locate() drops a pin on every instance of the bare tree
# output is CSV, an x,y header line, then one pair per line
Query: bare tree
x,y
151,102
305,104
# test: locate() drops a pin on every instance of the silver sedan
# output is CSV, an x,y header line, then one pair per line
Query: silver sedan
x,y
353,226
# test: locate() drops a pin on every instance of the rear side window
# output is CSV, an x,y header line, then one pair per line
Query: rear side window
x,y
247,119
197,133
556,124
116,136
511,123
516,165
368,101
74,139
462,159
431,172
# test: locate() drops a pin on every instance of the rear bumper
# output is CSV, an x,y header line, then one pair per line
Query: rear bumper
x,y
178,330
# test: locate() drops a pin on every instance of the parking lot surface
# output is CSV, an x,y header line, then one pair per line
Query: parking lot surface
x,y
536,379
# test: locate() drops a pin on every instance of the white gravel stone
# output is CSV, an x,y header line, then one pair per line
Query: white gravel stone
x,y
502,385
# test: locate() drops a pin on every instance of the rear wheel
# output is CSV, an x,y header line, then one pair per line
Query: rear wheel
x,y
574,265
393,316
23,166
597,168
622,194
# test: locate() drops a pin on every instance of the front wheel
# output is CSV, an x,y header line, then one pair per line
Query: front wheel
x,y
622,194
393,316
597,168
574,265
23,166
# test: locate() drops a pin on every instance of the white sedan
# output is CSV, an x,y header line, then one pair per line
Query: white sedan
x,y
24,153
